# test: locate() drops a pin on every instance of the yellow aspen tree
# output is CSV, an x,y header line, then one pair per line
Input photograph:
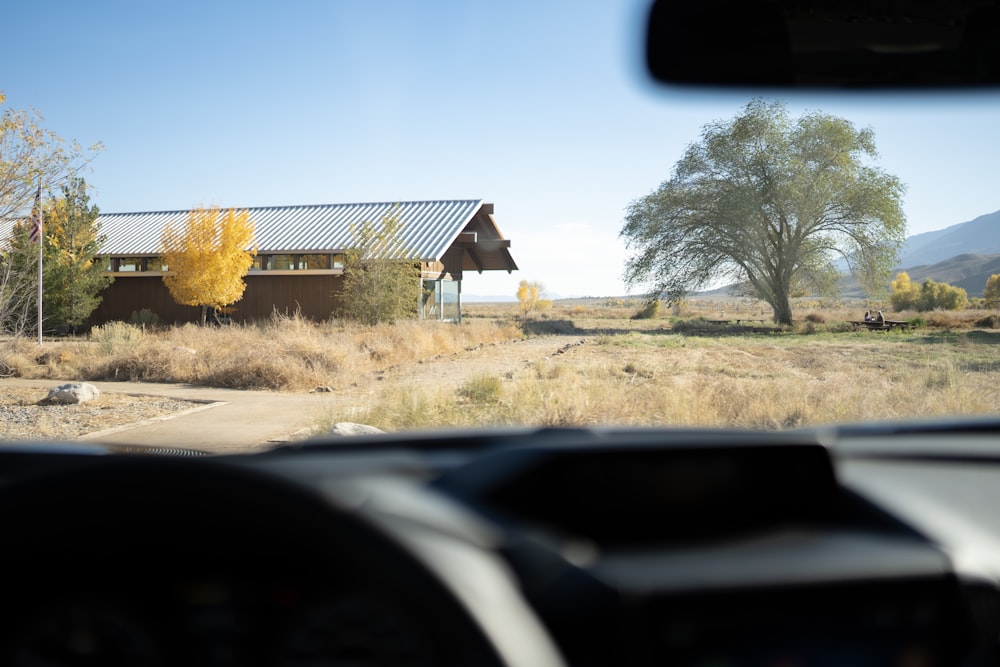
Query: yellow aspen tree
x,y
208,258
903,293
527,296
991,295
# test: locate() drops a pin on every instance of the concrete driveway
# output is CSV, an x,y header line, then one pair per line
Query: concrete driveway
x,y
226,421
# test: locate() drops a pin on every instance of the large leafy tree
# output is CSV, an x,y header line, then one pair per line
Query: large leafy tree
x,y
381,278
769,202
208,258
73,278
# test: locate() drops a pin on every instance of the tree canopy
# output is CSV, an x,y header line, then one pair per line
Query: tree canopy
x,y
73,278
207,259
904,294
771,203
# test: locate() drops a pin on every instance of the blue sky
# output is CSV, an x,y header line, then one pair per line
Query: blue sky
x,y
540,108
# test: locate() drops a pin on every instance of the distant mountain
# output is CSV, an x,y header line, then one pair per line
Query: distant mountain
x,y
980,237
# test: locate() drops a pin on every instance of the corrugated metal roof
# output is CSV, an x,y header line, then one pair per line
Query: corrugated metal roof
x,y
428,227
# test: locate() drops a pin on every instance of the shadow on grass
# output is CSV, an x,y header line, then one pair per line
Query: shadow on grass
x,y
569,328
977,336
986,337
551,328
692,328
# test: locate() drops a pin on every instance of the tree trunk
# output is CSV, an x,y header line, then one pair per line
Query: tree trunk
x,y
204,315
782,311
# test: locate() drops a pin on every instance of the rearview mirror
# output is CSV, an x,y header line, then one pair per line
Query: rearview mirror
x,y
825,43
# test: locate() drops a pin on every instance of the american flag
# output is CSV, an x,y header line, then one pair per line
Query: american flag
x,y
36,228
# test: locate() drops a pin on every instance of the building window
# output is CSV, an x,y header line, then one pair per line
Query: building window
x,y
155,264
281,263
441,300
314,262
338,262
259,263
129,264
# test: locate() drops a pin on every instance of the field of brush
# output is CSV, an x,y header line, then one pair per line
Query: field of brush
x,y
690,365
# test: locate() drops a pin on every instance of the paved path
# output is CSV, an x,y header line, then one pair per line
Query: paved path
x,y
228,420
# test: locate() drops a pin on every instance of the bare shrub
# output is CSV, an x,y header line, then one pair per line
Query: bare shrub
x,y
286,352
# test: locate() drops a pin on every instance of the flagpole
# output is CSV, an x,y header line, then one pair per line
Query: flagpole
x,y
41,242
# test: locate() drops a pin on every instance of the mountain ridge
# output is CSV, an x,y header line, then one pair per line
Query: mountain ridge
x,y
980,236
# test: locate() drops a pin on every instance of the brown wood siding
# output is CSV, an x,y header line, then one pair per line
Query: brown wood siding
x,y
133,293
312,294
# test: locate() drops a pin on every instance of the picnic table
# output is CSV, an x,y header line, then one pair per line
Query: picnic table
x,y
880,325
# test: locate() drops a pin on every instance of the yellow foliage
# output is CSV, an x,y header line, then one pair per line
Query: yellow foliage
x,y
903,293
208,258
991,295
527,296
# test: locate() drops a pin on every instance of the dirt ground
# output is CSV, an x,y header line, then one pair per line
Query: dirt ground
x,y
22,416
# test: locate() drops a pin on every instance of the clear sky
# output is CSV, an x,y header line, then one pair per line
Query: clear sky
x,y
539,107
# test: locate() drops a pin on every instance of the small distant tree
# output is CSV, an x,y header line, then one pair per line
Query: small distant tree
x,y
207,259
991,295
381,277
941,296
903,293
73,278
528,296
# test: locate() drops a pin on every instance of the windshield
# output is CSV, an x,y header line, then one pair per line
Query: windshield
x,y
495,173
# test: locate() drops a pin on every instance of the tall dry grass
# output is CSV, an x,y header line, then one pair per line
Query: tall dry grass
x,y
286,352
765,382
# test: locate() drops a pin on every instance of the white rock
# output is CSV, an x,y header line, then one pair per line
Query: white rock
x,y
73,393
350,428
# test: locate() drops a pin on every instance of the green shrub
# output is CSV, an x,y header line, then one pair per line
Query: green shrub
x,y
144,318
649,311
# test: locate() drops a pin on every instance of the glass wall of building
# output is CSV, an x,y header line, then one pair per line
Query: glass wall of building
x,y
441,300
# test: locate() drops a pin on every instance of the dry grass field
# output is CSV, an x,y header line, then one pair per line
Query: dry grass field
x,y
596,365
680,369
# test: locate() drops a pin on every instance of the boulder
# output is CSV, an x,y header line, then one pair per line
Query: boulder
x,y
72,393
350,428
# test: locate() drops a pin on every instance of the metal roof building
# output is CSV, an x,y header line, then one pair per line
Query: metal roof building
x,y
300,254
429,227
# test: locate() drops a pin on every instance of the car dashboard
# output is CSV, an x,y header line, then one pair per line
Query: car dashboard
x,y
865,546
